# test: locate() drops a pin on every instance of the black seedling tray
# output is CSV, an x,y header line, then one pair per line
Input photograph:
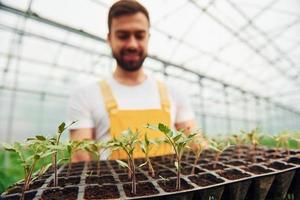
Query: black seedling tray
x,y
234,179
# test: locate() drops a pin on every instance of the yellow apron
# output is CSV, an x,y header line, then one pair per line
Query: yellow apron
x,y
121,120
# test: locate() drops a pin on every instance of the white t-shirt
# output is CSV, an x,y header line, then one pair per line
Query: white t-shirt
x,y
86,105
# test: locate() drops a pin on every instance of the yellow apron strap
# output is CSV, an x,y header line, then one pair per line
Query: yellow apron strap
x,y
164,99
109,100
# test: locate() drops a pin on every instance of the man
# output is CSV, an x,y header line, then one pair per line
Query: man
x,y
130,98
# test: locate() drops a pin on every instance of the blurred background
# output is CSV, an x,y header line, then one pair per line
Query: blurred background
x,y
237,60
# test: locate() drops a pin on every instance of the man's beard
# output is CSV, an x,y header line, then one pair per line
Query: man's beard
x,y
129,66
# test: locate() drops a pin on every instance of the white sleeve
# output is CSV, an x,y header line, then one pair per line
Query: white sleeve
x,y
184,111
78,110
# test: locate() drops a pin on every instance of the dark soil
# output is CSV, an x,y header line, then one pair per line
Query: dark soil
x,y
44,176
121,171
294,152
172,165
117,167
211,166
257,169
66,181
188,170
139,161
170,185
233,174
271,151
202,161
258,159
205,179
71,173
294,160
28,196
224,158
226,154
238,157
165,174
274,155
142,189
73,168
78,164
91,172
94,164
208,157
18,189
60,194
236,163
139,177
101,192
279,166
99,179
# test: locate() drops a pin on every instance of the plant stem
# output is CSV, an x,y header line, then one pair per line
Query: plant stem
x,y
133,177
98,165
27,180
178,174
151,170
69,165
195,163
129,172
54,161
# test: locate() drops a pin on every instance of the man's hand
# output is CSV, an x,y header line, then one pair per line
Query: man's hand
x,y
188,127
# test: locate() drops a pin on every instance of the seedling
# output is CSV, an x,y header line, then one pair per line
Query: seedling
x,y
146,146
219,147
282,141
96,148
37,151
253,138
127,142
198,145
72,147
238,140
55,146
178,140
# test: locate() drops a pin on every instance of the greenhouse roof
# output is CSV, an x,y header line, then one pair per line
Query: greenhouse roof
x,y
250,45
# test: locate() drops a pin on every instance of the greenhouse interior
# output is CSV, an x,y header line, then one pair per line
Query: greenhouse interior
x,y
233,66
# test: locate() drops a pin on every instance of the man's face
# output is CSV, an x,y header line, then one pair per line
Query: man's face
x,y
128,39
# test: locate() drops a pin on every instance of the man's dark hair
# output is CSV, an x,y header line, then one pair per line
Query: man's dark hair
x,y
126,7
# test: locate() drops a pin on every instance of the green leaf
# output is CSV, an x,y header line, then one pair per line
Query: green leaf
x,y
36,157
47,154
61,127
143,147
63,159
40,137
177,137
163,128
153,127
147,142
143,164
69,148
122,164
8,147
